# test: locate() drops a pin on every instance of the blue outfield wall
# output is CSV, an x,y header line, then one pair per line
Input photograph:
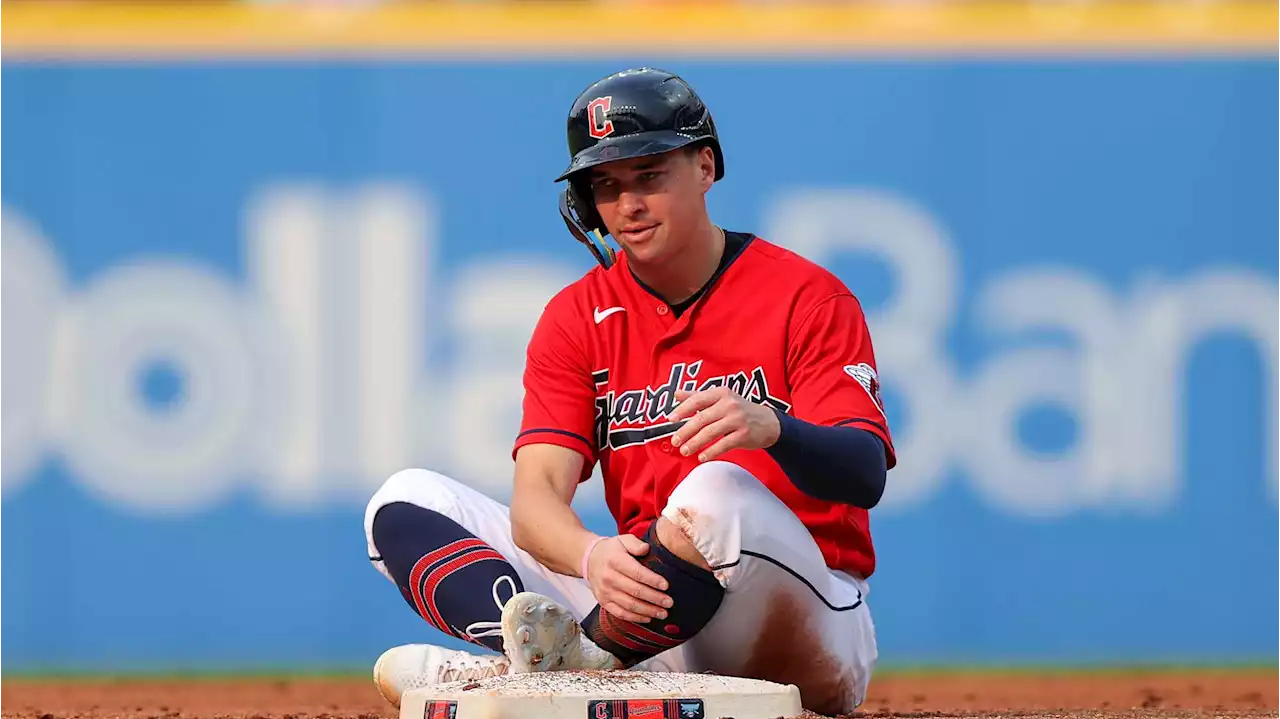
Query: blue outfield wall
x,y
237,296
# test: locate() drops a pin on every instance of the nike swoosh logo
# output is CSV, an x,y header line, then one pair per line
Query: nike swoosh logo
x,y
601,314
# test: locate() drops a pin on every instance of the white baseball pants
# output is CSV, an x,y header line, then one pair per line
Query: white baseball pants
x,y
786,616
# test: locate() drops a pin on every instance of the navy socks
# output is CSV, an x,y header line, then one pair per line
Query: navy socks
x,y
451,578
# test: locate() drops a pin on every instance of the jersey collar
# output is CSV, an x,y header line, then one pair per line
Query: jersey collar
x,y
736,244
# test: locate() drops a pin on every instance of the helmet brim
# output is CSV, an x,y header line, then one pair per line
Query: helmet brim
x,y
626,147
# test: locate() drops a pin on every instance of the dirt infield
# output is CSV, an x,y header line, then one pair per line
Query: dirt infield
x,y
1212,693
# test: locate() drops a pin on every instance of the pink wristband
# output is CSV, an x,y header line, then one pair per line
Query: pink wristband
x,y
587,554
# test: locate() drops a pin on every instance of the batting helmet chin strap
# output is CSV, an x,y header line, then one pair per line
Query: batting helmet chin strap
x,y
583,223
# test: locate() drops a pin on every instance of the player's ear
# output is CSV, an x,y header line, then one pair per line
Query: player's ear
x,y
705,161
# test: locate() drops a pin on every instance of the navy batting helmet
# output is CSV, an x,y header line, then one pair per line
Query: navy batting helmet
x,y
633,113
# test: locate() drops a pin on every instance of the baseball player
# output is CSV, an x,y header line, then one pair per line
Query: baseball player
x,y
727,388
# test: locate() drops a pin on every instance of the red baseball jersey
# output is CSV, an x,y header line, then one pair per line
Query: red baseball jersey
x,y
607,357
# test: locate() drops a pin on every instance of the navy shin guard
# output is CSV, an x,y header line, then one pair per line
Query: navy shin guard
x,y
695,595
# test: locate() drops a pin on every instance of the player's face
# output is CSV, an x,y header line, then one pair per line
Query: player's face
x,y
651,205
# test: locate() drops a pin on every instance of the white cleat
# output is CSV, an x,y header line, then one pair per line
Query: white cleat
x,y
413,666
539,635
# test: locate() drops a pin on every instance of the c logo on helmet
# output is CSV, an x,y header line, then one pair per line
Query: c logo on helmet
x,y
599,124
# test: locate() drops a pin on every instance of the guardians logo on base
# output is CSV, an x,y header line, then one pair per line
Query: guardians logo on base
x,y
440,710
646,709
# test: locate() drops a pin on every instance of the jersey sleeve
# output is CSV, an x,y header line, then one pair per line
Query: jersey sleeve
x,y
832,370
559,391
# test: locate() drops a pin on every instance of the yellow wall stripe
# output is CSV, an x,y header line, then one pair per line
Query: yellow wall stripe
x,y
565,29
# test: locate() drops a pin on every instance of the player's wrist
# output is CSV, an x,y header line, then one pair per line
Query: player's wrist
x,y
773,427
585,563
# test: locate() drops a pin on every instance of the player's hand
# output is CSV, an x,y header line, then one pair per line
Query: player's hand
x,y
720,420
622,585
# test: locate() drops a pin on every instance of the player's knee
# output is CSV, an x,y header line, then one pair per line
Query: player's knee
x,y
710,506
719,489
421,487
675,540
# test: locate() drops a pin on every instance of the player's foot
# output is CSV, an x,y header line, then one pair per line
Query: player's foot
x,y
413,666
539,635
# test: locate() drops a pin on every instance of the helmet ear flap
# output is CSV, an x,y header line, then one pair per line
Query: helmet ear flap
x,y
584,223
584,204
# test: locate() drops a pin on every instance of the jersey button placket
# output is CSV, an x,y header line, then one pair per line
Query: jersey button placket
x,y
667,319
659,365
